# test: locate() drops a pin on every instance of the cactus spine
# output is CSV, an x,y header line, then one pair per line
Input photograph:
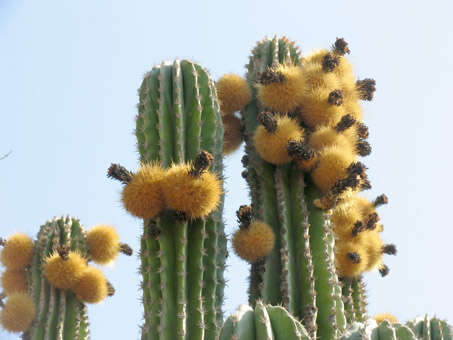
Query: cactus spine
x,y
183,259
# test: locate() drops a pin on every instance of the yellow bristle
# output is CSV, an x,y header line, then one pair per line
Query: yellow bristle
x,y
307,165
385,316
353,107
92,286
142,196
64,274
18,313
343,223
195,196
254,243
14,281
232,137
17,253
332,166
347,264
374,247
273,147
102,244
233,92
327,136
283,96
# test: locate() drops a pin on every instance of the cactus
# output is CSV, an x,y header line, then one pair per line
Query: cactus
x,y
183,247
48,281
303,135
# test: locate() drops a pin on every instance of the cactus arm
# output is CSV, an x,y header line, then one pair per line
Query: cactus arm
x,y
181,272
402,332
83,328
358,298
348,302
245,326
220,266
262,323
385,331
209,289
227,330
283,325
446,330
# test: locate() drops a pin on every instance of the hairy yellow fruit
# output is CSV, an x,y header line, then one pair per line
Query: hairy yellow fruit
x,y
343,222
326,136
64,274
18,313
194,196
286,94
14,281
103,244
307,165
332,166
92,286
232,137
233,92
351,259
17,252
255,242
385,316
374,247
142,196
273,146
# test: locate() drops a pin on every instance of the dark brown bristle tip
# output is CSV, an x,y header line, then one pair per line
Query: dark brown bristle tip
x,y
357,169
345,123
63,252
330,62
384,271
366,88
245,216
154,230
268,120
179,216
244,174
372,220
389,249
245,160
358,228
125,249
354,257
336,97
201,163
110,289
363,148
119,173
2,242
340,47
380,200
300,150
362,131
270,76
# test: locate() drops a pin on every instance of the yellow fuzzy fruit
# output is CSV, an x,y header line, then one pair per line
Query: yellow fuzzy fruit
x,y
233,92
343,222
18,313
326,136
14,281
332,166
351,259
255,242
385,316
142,196
273,147
307,165
64,274
283,96
232,137
17,253
92,286
103,243
195,196
374,247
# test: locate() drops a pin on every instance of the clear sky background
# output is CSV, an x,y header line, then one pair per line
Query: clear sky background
x,y
69,74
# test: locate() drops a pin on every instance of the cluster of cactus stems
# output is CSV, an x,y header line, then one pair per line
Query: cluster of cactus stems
x,y
48,282
308,233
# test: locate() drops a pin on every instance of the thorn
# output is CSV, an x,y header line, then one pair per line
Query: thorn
x,y
389,249
340,47
268,120
380,200
345,123
336,97
366,88
119,173
330,62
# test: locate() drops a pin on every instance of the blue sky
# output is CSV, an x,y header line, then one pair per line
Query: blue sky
x,y
69,73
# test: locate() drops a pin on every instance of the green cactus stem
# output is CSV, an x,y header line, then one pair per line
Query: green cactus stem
x,y
182,260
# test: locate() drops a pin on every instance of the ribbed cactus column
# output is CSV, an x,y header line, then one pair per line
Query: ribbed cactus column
x,y
300,271
182,259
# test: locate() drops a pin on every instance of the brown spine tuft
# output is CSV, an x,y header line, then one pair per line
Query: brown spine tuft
x,y
2,242
358,228
354,257
372,220
179,216
330,62
345,123
270,76
300,150
268,120
363,148
362,130
201,164
389,249
245,216
340,47
366,88
110,289
119,173
384,271
63,251
336,97
245,160
154,230
126,249
380,200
